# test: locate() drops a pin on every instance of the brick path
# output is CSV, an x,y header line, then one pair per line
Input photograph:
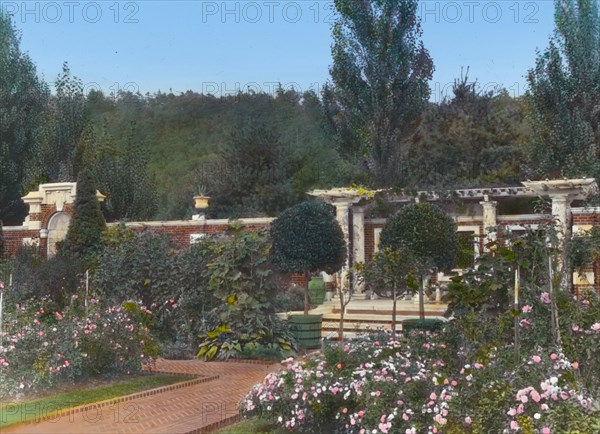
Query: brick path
x,y
193,409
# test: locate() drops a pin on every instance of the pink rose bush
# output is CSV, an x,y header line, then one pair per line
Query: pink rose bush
x,y
466,379
41,347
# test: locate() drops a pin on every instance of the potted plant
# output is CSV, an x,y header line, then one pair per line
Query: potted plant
x,y
202,198
307,238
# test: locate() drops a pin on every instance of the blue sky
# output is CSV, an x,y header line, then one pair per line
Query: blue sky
x,y
221,46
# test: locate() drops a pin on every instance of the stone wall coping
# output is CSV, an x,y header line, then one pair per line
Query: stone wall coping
x,y
196,223
586,210
524,217
15,228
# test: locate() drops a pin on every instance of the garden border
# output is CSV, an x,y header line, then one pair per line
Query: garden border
x,y
112,401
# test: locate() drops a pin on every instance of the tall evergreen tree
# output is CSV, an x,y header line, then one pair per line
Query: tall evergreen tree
x,y
380,76
23,98
84,237
564,95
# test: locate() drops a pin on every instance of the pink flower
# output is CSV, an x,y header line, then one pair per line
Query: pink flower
x,y
595,327
477,365
575,365
535,395
527,308
468,420
545,430
536,359
41,333
514,425
553,357
545,297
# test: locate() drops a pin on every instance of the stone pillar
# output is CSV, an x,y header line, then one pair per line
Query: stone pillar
x,y
358,239
489,221
561,210
342,209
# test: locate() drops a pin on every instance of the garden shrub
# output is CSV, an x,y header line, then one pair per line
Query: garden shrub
x,y
291,299
44,347
468,378
241,278
56,278
171,285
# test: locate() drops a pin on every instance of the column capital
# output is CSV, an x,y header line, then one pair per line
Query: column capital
x,y
489,203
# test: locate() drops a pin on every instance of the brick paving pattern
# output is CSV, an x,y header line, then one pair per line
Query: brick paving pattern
x,y
193,409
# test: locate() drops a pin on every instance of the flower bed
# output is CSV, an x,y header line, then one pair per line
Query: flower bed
x,y
387,384
42,348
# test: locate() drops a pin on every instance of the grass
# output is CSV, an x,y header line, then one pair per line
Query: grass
x,y
250,426
253,426
34,409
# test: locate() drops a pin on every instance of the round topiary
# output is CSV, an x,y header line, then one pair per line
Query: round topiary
x,y
426,232
308,238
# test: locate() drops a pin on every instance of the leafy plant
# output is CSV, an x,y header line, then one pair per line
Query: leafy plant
x,y
307,238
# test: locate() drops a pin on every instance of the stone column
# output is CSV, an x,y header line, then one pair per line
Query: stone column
x,y
342,209
489,221
561,210
358,239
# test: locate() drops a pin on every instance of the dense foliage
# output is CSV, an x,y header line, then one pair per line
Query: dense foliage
x,y
380,86
23,98
242,280
424,231
308,238
564,93
84,236
44,346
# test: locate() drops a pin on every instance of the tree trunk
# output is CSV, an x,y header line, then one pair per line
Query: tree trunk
x,y
422,299
394,311
306,303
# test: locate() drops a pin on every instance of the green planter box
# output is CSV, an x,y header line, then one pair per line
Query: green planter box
x,y
428,324
307,330
316,290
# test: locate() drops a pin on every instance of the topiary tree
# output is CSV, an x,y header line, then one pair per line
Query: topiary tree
x,y
425,232
84,237
307,238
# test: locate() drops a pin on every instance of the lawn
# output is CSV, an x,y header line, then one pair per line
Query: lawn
x,y
33,409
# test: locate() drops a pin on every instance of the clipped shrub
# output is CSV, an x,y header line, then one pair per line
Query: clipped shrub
x,y
307,238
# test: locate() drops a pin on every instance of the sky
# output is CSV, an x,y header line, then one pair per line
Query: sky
x,y
220,47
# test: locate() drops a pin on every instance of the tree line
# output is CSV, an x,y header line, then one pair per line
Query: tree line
x,y
256,153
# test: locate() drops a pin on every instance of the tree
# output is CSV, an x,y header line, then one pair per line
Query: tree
x,y
66,121
307,238
380,86
23,98
84,237
391,273
426,233
473,137
564,94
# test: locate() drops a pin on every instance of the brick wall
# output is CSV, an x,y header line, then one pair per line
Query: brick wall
x,y
13,239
